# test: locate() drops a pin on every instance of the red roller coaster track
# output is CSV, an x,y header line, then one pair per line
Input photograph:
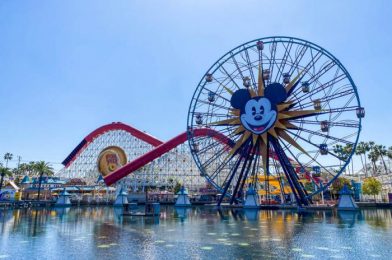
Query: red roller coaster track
x,y
159,151
160,147
106,128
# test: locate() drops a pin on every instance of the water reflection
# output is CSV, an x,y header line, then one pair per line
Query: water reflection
x,y
182,213
193,232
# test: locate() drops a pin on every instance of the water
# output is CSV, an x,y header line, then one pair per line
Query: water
x,y
197,233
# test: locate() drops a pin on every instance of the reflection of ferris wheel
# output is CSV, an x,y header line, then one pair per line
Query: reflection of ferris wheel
x,y
283,104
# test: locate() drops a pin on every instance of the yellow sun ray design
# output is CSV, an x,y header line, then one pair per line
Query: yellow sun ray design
x,y
277,130
239,143
264,153
239,130
288,125
252,92
235,112
284,105
292,83
291,141
228,90
264,137
260,83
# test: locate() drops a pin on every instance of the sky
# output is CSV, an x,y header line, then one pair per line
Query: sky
x,y
68,67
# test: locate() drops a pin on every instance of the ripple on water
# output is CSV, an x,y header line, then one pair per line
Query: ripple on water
x,y
4,256
206,248
308,256
243,244
103,246
322,248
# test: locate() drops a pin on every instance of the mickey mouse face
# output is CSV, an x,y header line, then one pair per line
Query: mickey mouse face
x,y
258,114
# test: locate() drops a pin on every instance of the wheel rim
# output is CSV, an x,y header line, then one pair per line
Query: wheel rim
x,y
321,114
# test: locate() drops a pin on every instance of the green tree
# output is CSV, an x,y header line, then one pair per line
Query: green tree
x,y
371,186
177,187
42,168
338,184
309,186
4,172
32,168
7,157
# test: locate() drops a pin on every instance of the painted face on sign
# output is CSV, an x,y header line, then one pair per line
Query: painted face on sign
x,y
257,115
112,161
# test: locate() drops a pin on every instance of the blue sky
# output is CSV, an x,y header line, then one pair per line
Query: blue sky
x,y
68,67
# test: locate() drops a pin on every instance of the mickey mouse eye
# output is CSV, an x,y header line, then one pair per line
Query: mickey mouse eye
x,y
262,109
253,110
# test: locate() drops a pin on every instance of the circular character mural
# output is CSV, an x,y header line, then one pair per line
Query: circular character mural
x,y
111,159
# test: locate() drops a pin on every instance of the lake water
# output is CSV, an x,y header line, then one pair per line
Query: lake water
x,y
197,233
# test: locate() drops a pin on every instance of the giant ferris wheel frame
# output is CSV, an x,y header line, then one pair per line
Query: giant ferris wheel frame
x,y
224,78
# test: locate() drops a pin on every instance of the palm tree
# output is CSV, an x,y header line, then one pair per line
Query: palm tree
x,y
373,157
381,150
42,168
7,157
31,168
4,172
362,149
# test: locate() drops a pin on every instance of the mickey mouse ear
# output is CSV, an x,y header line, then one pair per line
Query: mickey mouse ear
x,y
239,98
276,93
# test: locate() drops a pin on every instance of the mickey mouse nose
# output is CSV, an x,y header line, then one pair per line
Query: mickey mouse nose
x,y
258,117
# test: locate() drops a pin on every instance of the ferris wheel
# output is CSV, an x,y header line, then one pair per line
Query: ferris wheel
x,y
274,107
